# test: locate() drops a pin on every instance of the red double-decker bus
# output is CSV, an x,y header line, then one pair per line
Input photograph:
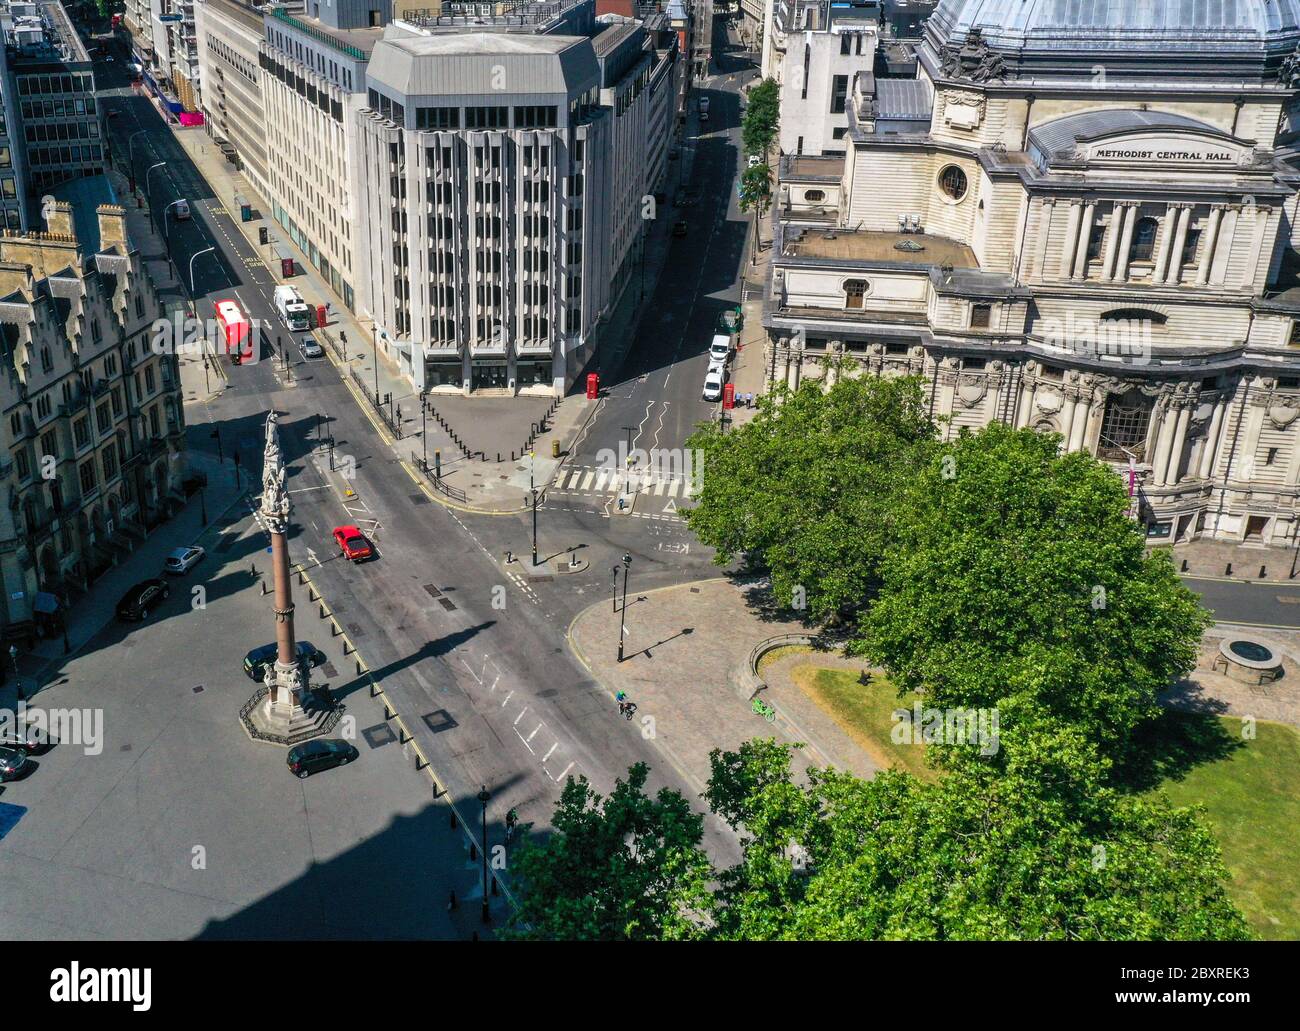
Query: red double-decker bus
x,y
236,330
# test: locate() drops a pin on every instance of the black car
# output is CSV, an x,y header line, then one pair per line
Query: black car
x,y
322,754
24,739
256,661
13,764
140,599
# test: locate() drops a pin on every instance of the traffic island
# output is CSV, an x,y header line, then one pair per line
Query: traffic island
x,y
312,713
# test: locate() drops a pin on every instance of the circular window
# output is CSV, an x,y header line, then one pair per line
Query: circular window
x,y
952,181
814,196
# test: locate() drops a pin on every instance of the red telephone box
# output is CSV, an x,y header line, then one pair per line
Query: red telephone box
x,y
729,395
593,386
320,314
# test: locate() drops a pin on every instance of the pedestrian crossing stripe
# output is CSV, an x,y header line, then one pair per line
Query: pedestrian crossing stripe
x,y
604,481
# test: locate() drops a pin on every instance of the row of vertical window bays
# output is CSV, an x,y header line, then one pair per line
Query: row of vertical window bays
x,y
491,294
302,85
58,108
33,85
111,459
77,391
443,330
531,191
534,157
488,227
61,132
481,116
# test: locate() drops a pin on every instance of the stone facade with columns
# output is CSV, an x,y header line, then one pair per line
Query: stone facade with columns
x,y
1094,234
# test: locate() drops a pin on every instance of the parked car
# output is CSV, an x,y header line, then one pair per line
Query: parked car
x,y
256,661
182,559
136,603
680,227
713,380
353,543
12,763
321,754
22,738
181,210
720,349
309,347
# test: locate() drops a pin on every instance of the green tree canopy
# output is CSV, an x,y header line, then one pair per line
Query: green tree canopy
x,y
1017,572
810,487
762,115
626,867
1041,851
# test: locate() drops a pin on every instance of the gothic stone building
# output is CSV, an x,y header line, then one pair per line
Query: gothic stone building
x,y
91,425
1081,218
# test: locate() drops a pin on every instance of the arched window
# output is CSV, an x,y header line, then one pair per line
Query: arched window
x,y
854,291
1144,239
814,196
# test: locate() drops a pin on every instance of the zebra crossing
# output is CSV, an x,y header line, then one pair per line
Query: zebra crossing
x,y
592,480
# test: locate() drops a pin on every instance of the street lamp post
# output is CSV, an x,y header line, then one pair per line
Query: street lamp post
x,y
149,194
374,346
206,250
424,431
622,612
18,680
534,526
614,570
484,798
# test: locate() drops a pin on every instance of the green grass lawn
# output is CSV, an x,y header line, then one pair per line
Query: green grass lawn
x,y
1250,789
1252,800
864,714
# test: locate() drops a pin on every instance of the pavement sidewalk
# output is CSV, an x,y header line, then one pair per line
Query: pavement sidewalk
x,y
1226,560
684,650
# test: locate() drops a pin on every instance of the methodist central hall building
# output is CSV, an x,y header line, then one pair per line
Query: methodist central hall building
x,y
1081,216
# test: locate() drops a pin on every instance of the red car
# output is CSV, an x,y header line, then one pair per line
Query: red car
x,y
353,543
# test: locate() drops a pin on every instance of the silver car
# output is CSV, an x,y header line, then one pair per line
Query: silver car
x,y
309,347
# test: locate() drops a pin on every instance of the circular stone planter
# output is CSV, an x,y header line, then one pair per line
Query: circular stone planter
x,y
1247,661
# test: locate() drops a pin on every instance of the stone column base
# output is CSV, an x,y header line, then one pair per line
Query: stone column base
x,y
289,723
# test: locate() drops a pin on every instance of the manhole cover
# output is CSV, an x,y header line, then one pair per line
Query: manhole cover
x,y
447,604
695,590
125,748
355,630
330,671
197,688
439,721
433,591
379,735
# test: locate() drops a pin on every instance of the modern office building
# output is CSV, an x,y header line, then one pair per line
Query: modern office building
x,y
230,36
91,420
819,63
51,117
1110,255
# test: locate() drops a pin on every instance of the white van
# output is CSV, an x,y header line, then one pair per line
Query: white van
x,y
181,209
713,380
720,349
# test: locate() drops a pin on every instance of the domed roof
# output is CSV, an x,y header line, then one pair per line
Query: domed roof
x,y
1177,38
